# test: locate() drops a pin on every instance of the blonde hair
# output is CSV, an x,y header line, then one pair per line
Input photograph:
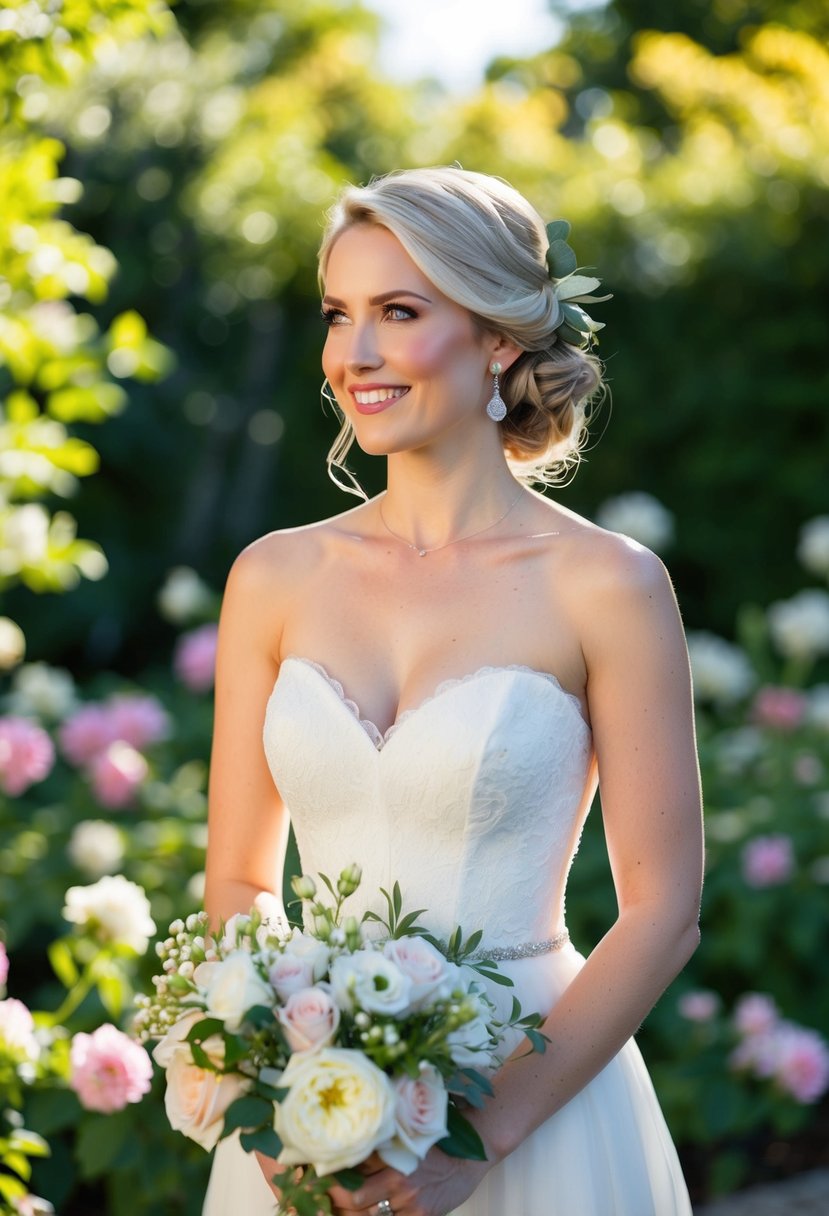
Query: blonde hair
x,y
483,246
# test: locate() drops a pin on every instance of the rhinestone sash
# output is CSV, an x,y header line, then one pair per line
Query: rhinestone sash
x,y
502,954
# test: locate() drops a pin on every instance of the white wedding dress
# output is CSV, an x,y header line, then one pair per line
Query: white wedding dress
x,y
474,801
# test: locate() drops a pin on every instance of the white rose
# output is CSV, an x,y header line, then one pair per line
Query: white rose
x,y
234,986
420,1118
175,1041
96,847
367,980
800,626
113,908
638,515
310,1019
290,973
471,1045
722,672
304,946
339,1107
183,596
425,966
41,690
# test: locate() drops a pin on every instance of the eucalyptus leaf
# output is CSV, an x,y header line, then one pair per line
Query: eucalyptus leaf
x,y
561,259
557,230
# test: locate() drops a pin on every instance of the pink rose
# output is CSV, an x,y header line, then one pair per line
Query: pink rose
x,y
310,1019
767,861
420,1119
755,1013
779,708
291,973
194,660
116,774
26,754
138,719
108,1069
87,733
802,1062
424,965
699,1006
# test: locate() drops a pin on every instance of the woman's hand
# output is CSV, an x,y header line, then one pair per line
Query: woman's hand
x,y
437,1187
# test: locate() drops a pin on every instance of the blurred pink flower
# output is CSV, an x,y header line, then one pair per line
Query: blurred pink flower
x,y
779,708
802,1062
4,965
755,1013
698,1006
138,719
116,774
87,733
756,1053
26,754
108,1069
17,1029
767,861
194,660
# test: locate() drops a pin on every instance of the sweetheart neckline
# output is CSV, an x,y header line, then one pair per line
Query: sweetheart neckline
x,y
380,738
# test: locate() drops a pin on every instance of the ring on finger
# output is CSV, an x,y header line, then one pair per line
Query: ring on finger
x,y
384,1208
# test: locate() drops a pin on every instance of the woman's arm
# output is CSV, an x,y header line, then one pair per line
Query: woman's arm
x,y
247,822
641,710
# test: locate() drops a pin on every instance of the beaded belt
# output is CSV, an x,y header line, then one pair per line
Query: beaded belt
x,y
501,954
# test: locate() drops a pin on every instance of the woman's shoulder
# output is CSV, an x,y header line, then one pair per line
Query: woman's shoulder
x,y
286,553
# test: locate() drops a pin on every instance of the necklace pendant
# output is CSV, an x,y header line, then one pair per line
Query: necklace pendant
x,y
422,552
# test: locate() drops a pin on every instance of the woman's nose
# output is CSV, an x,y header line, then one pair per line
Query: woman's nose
x,y
363,351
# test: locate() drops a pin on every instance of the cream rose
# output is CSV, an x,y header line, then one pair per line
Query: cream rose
x,y
310,1019
339,1107
233,987
290,973
420,1117
422,963
369,981
196,1098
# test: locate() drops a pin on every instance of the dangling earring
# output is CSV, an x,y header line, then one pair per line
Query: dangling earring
x,y
496,409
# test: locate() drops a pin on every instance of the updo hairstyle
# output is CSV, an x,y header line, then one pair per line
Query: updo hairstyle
x,y
483,246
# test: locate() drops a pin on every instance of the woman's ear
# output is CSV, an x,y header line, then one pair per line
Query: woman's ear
x,y
502,351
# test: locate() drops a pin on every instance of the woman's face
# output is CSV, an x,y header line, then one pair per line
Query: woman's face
x,y
406,363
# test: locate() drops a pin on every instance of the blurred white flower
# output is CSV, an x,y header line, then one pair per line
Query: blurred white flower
x,y
722,671
817,712
640,516
737,749
12,643
813,545
96,847
25,537
800,626
114,909
183,597
42,691
195,887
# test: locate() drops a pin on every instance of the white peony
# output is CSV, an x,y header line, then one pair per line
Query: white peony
x,y
42,691
96,847
420,1119
367,980
338,1109
813,545
640,516
116,910
800,626
234,986
722,672
183,597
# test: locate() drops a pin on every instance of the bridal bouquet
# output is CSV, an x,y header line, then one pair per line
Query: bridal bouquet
x,y
322,1046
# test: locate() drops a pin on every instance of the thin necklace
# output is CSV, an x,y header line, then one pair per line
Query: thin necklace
x,y
467,536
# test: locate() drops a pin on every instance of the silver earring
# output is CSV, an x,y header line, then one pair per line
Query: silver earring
x,y
496,408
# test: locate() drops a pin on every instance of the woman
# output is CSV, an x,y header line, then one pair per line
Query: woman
x,y
497,654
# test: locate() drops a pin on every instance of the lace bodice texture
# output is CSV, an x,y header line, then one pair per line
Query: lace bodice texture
x,y
474,800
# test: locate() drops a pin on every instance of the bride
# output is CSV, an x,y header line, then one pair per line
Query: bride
x,y
446,672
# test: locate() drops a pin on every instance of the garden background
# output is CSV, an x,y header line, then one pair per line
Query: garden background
x,y
163,175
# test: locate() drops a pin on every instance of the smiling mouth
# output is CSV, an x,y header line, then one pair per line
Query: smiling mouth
x,y
377,396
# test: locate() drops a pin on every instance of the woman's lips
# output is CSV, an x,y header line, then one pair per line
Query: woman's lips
x,y
369,399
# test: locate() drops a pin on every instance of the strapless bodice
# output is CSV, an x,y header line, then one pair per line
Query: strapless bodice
x,y
474,800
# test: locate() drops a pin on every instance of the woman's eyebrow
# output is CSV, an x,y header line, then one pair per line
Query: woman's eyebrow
x,y
381,299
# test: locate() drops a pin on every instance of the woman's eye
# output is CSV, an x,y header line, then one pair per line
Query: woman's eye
x,y
333,316
398,312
